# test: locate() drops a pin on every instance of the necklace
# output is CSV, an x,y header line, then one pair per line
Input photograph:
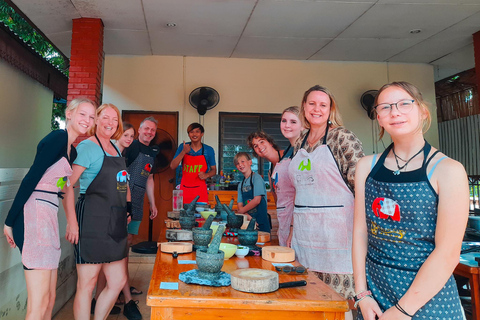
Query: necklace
x,y
397,172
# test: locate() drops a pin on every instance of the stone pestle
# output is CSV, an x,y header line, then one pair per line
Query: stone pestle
x,y
210,261
251,224
190,207
208,223
233,220
249,236
203,235
215,244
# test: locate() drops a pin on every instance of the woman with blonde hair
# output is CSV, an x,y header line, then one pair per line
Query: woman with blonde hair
x,y
411,209
100,215
322,171
32,223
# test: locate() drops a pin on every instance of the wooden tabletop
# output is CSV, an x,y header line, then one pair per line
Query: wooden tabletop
x,y
316,296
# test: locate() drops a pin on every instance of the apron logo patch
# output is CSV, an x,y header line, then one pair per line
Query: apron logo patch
x,y
122,177
303,167
148,167
378,231
61,182
385,208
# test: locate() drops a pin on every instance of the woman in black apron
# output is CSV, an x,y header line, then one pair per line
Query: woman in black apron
x,y
101,215
411,209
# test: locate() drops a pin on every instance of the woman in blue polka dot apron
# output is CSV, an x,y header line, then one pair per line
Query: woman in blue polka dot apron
x,y
411,209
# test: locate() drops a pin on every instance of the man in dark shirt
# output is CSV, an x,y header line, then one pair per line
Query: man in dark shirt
x,y
140,157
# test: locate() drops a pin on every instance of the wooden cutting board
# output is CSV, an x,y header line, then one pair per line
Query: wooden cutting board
x,y
179,247
263,236
254,280
179,235
278,254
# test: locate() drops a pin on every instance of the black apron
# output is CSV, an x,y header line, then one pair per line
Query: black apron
x,y
260,212
103,232
139,171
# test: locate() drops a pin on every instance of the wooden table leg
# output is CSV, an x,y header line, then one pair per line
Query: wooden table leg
x,y
475,293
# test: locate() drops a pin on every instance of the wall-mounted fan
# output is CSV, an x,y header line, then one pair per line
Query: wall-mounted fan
x,y
166,144
203,99
367,100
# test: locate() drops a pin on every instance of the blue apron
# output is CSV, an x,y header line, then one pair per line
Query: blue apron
x,y
260,211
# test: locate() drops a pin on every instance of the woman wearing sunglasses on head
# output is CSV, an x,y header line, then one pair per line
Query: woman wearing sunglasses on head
x,y
411,209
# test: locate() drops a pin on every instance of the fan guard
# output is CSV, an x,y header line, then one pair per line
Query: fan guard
x,y
203,99
367,100
166,144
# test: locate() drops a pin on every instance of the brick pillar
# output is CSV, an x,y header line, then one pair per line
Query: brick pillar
x,y
86,61
476,49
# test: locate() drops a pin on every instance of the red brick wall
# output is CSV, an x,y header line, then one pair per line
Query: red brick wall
x,y
86,61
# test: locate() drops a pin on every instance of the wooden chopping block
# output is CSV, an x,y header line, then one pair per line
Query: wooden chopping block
x,y
173,215
254,280
179,247
278,254
179,235
173,224
263,236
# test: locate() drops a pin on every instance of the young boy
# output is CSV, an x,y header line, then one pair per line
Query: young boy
x,y
252,195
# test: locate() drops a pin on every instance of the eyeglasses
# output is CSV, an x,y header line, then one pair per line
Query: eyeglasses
x,y
288,269
403,106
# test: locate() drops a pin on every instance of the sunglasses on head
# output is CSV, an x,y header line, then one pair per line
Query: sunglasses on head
x,y
288,269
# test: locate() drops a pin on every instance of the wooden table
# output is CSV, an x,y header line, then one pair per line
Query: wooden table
x,y
469,268
195,302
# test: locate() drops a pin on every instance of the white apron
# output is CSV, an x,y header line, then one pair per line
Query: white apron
x,y
285,199
323,213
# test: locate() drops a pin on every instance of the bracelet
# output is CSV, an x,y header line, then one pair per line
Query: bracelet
x,y
399,308
358,301
360,296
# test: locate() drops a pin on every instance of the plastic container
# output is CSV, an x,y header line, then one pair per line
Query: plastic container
x,y
177,199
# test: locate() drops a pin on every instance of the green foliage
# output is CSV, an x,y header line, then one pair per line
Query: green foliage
x,y
58,112
30,36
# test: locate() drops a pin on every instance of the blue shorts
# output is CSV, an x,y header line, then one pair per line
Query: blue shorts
x,y
133,227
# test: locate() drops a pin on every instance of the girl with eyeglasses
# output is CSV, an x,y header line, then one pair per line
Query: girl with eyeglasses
x,y
411,209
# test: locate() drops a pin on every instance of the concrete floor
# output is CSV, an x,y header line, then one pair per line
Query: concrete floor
x,y
140,268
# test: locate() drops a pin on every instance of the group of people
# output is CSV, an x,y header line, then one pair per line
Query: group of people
x,y
112,190
384,230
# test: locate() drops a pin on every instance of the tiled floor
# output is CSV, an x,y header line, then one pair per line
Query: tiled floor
x,y
140,268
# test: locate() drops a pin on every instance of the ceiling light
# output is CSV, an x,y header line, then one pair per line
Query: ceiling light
x,y
415,31
171,25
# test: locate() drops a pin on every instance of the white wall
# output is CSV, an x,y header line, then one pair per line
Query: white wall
x,y
26,110
161,83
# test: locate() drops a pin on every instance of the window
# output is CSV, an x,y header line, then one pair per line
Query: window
x,y
234,130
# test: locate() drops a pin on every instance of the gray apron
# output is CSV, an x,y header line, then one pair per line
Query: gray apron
x,y
139,171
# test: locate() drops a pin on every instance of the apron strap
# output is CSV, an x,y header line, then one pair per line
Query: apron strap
x,y
114,146
251,182
324,137
381,160
285,153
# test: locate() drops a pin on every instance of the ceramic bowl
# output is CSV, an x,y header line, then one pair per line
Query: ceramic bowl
x,y
241,251
206,214
229,249
214,227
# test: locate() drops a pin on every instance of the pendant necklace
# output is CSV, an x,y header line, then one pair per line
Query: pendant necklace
x,y
397,172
